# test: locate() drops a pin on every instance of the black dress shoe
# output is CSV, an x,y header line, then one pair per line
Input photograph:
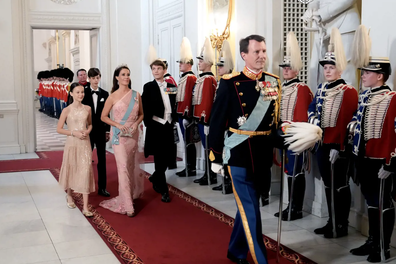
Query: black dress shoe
x,y
320,231
341,231
234,259
183,173
198,180
218,188
165,198
103,192
264,200
364,249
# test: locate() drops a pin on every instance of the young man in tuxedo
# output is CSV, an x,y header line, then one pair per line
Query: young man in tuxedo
x,y
159,107
96,98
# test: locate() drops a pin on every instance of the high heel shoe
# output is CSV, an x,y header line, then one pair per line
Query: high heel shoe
x,y
131,214
87,213
70,205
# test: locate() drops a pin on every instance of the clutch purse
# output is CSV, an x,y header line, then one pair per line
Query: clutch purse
x,y
127,134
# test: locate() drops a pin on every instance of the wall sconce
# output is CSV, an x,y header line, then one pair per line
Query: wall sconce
x,y
221,13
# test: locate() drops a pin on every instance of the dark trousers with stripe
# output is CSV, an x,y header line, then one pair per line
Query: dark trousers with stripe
x,y
247,232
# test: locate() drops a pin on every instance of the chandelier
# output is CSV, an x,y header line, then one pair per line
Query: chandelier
x,y
65,2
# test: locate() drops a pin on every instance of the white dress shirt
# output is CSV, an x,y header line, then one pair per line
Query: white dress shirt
x,y
168,109
95,98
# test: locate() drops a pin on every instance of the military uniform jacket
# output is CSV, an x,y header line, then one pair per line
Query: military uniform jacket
x,y
296,97
236,98
375,129
184,94
203,96
332,109
169,79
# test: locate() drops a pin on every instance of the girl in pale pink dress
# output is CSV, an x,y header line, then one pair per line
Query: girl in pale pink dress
x,y
76,172
127,114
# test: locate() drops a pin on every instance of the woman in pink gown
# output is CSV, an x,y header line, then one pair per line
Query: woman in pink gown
x,y
127,114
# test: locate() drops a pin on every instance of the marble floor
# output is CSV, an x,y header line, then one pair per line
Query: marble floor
x,y
37,227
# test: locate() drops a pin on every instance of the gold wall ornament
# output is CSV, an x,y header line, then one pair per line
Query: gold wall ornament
x,y
65,2
216,39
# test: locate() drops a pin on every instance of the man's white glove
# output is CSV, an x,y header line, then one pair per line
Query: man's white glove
x,y
383,174
185,123
206,130
217,168
334,154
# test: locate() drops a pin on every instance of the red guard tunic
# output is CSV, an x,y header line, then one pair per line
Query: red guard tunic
x,y
203,97
333,108
296,97
169,79
184,94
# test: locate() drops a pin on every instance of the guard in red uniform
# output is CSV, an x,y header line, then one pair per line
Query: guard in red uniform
x,y
184,106
203,97
332,109
296,97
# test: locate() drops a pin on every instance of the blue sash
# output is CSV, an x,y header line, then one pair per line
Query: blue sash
x,y
116,131
251,124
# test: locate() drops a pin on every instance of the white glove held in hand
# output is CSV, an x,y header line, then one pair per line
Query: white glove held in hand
x,y
185,123
383,174
307,17
217,168
206,130
334,154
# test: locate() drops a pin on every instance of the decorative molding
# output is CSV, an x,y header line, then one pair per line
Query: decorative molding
x,y
51,40
9,106
170,12
75,51
53,19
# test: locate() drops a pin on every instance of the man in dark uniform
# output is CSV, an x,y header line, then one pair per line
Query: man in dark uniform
x,y
247,106
96,98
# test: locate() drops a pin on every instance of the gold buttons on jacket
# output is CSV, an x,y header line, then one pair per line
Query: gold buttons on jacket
x,y
272,114
243,104
237,83
240,94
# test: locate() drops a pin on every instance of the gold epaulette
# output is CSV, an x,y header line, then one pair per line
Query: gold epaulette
x,y
273,75
230,75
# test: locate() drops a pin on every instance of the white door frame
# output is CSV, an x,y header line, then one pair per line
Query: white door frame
x,y
24,92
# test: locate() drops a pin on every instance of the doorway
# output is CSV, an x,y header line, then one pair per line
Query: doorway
x,y
55,51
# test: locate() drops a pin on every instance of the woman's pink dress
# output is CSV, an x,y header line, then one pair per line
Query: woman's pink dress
x,y
128,158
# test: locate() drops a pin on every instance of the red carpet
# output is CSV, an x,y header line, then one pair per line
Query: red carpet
x,y
185,231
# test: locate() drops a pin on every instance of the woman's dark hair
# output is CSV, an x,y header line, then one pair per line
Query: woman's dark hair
x,y
69,97
116,74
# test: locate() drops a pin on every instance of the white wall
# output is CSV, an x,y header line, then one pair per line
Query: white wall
x,y
379,17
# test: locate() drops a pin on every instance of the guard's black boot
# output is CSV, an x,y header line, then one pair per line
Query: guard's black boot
x,y
264,199
364,249
388,223
341,231
204,180
191,162
367,247
298,199
325,229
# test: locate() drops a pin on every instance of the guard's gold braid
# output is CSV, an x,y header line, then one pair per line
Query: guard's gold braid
x,y
244,220
277,104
